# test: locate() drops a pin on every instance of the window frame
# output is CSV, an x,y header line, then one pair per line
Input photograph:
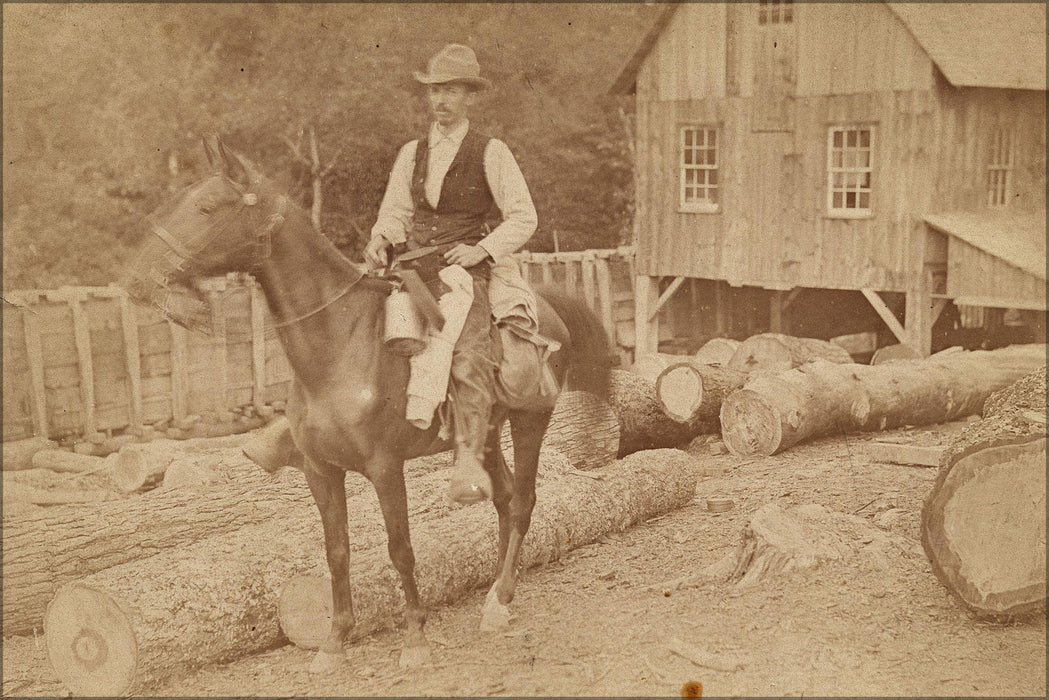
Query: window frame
x,y
704,206
1000,163
773,13
831,170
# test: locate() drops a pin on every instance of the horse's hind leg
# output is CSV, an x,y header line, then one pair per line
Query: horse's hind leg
x,y
387,475
329,492
527,429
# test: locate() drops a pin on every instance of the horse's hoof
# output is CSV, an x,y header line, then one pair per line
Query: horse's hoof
x,y
325,662
495,617
415,656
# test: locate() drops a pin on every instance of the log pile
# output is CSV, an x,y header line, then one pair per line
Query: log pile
x,y
774,411
983,522
775,352
716,351
124,629
693,393
643,424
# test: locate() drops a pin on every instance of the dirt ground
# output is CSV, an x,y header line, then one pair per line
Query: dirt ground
x,y
602,620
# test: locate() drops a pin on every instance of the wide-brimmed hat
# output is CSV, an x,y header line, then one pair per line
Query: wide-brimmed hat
x,y
454,63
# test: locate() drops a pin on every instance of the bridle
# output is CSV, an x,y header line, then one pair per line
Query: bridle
x,y
262,248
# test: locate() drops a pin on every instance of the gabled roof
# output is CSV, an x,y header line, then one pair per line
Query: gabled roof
x,y
625,81
999,45
1018,238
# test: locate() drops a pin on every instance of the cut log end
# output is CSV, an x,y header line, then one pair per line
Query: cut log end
x,y
305,610
680,391
750,425
90,642
983,528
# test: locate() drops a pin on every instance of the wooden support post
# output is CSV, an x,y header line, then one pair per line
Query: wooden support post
x,y
258,346
571,278
132,360
35,359
179,371
219,368
548,276
720,309
919,314
886,315
646,325
589,273
776,311
82,339
665,296
604,292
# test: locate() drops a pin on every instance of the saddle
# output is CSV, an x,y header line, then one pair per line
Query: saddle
x,y
523,377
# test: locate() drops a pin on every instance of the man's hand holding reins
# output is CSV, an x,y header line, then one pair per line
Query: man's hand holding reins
x,y
466,255
375,253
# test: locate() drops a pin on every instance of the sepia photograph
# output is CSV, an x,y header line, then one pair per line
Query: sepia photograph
x,y
474,349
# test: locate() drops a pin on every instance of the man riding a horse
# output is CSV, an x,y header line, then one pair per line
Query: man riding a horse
x,y
440,192
350,406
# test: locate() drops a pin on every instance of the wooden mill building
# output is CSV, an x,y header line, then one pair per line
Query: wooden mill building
x,y
891,150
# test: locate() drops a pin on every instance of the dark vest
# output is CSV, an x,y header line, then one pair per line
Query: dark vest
x,y
465,197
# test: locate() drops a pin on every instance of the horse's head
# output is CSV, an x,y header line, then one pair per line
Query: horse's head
x,y
221,223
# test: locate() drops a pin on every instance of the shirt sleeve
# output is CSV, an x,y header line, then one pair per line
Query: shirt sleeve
x,y
397,208
511,195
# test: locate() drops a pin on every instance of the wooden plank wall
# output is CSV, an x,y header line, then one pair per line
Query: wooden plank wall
x,y
856,63
967,122
772,230
603,278
80,359
997,281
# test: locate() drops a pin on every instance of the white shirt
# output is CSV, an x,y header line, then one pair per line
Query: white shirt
x,y
504,180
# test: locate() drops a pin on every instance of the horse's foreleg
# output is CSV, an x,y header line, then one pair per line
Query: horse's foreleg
x,y
387,475
527,430
502,479
329,493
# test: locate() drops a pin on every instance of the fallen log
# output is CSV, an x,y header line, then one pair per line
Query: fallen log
x,y
775,352
24,493
69,462
983,522
894,353
692,393
642,423
18,454
774,411
125,629
716,351
583,428
649,366
45,548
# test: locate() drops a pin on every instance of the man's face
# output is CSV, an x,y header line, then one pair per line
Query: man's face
x,y
449,102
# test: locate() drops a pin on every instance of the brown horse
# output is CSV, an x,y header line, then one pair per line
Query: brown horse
x,y
347,402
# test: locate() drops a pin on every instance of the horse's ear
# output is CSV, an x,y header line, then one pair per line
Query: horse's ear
x,y
211,150
235,167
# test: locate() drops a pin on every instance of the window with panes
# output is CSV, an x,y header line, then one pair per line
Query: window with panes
x,y
775,12
1000,168
850,170
699,169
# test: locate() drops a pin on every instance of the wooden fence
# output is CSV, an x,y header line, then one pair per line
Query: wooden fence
x,y
79,360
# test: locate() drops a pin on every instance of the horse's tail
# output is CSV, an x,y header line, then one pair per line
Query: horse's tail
x,y
588,351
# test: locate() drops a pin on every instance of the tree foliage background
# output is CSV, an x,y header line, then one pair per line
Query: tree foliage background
x,y
105,106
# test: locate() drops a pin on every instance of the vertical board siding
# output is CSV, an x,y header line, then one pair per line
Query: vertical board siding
x,y
22,416
81,359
